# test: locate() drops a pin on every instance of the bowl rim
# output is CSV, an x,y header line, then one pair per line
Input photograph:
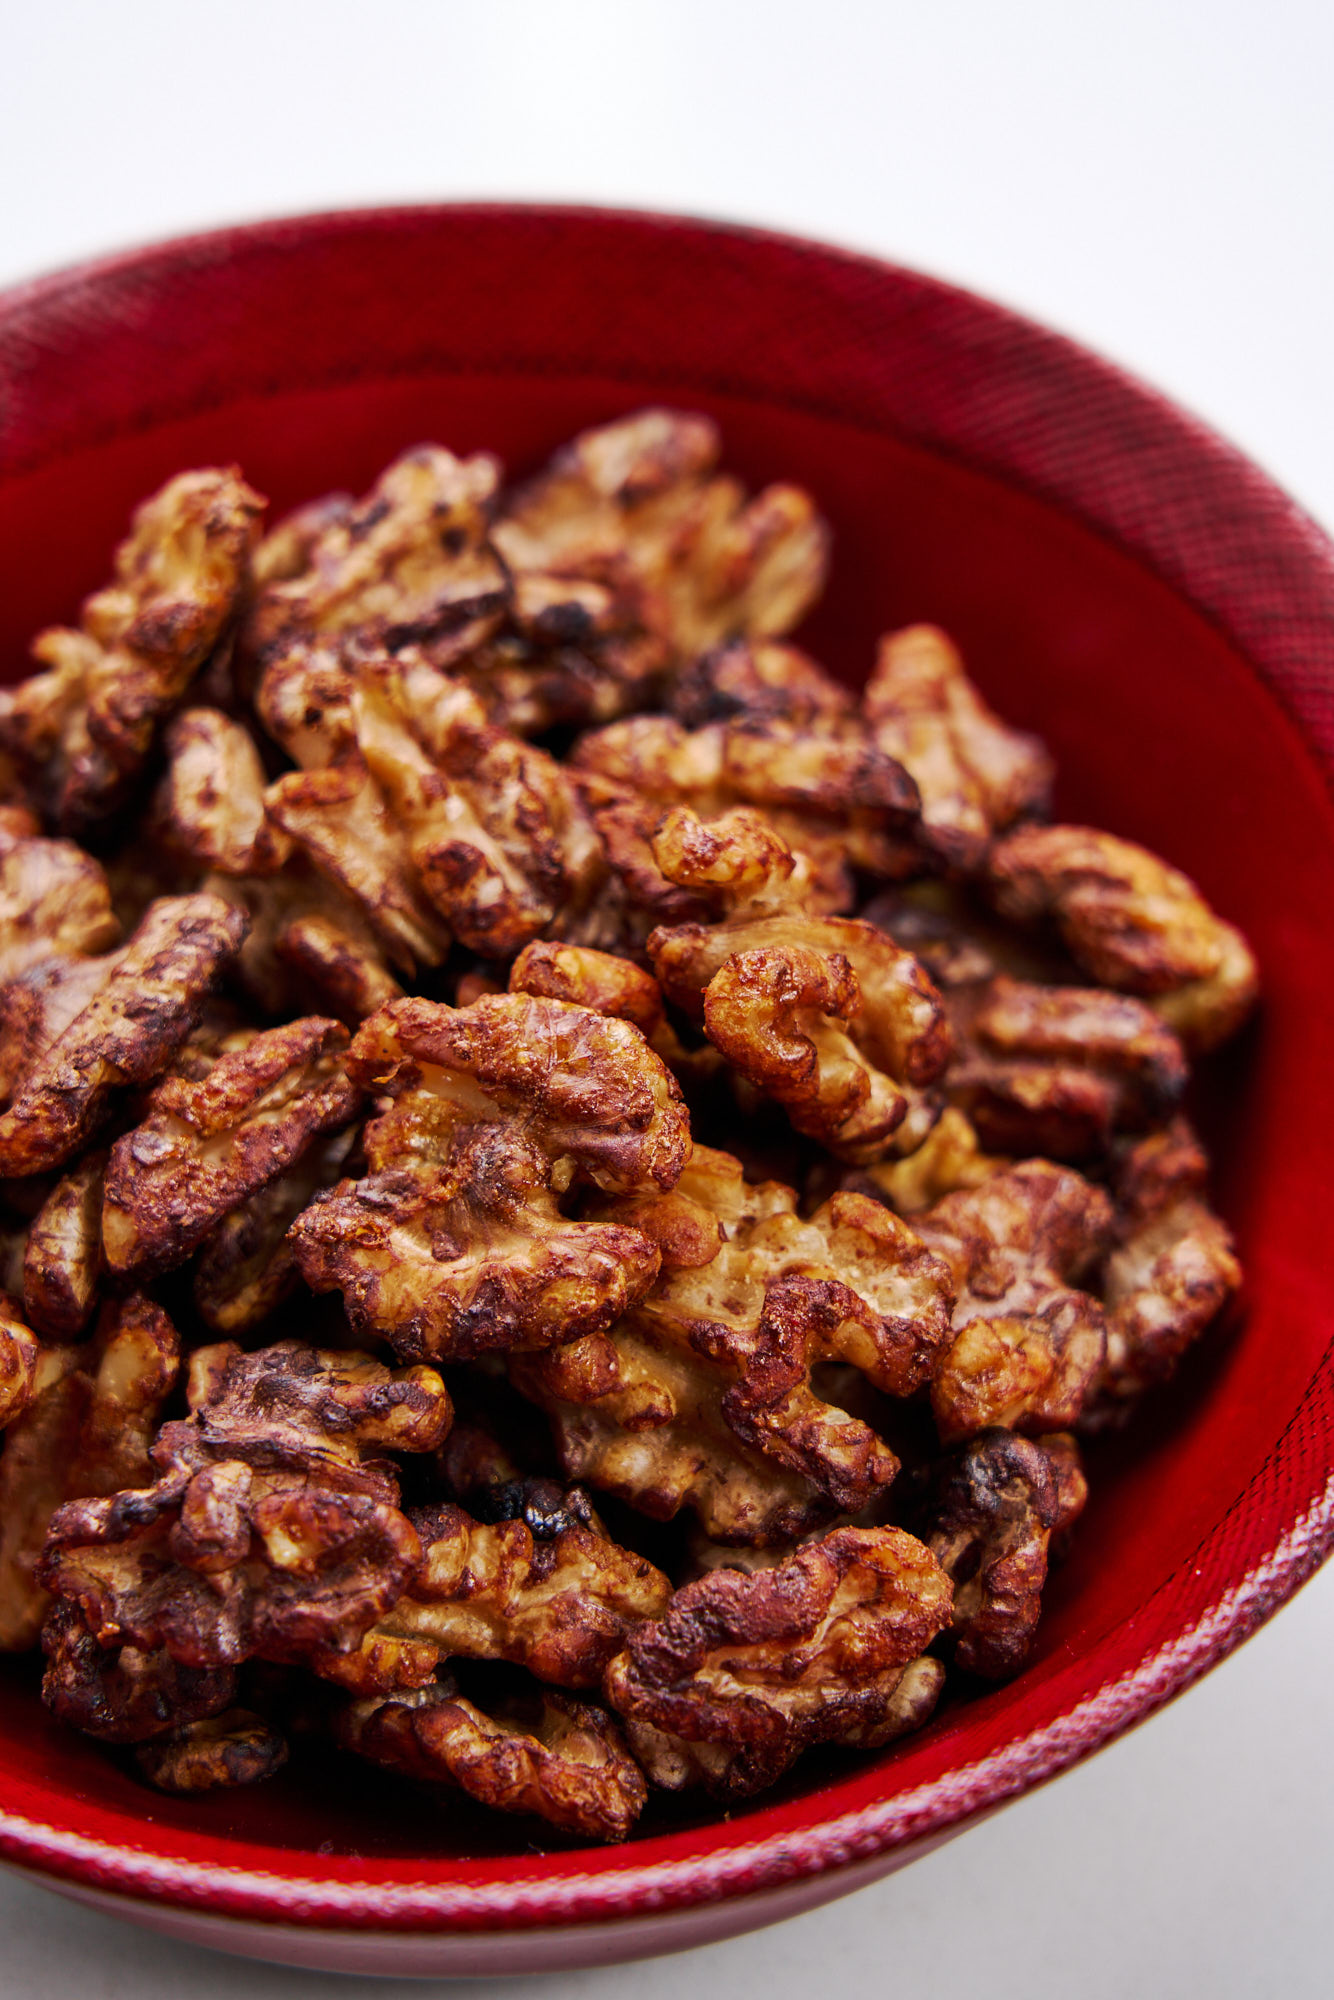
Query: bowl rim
x,y
1220,533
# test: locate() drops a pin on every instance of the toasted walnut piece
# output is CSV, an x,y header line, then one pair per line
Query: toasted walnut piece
x,y
1061,1450
246,1266
234,1748
309,948
949,1158
558,1604
757,679
38,1007
1055,1070
119,1693
410,562
975,774
304,700
124,1034
499,837
586,1088
270,1532
703,1396
563,1760
453,1246
987,1513
763,1665
62,1261
1028,1346
825,1014
86,1431
286,549
823,788
54,902
20,1356
84,727
211,1140
610,985
339,819
210,805
1133,922
1172,1271
639,498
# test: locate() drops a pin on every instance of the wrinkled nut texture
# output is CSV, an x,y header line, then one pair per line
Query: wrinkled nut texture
x,y
19,1354
211,1141
1028,1346
558,1604
270,1532
247,1267
86,1431
1173,1269
759,1666
563,1760
126,1033
499,838
1134,923
54,902
987,1513
702,1396
409,564
454,1244
234,1748
974,773
1054,1071
82,729
62,1259
210,804
309,947
119,1693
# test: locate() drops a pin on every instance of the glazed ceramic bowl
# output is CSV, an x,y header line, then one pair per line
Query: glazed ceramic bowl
x,y
1119,580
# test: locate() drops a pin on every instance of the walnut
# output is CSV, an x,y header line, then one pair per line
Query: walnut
x,y
559,1604
304,700
1028,1347
247,1267
1130,920
309,947
54,902
211,1140
975,774
702,1396
86,1431
285,550
119,1693
62,1260
20,1357
234,1748
755,680
339,819
560,1759
454,1243
610,985
1170,1274
1055,1070
747,1670
499,838
270,1531
824,788
825,1014
987,1512
410,563
143,1005
210,805
83,727
949,1158
640,500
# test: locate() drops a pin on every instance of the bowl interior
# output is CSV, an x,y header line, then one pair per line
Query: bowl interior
x,y
1162,732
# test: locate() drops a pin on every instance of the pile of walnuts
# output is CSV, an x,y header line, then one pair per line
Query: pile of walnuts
x,y
499,1049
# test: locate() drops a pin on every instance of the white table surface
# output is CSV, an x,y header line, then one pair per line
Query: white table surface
x,y
1155,179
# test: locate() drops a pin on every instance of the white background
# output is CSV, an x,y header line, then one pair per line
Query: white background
x,y
1156,179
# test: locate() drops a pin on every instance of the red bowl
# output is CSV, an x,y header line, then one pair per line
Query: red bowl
x,y
1120,580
